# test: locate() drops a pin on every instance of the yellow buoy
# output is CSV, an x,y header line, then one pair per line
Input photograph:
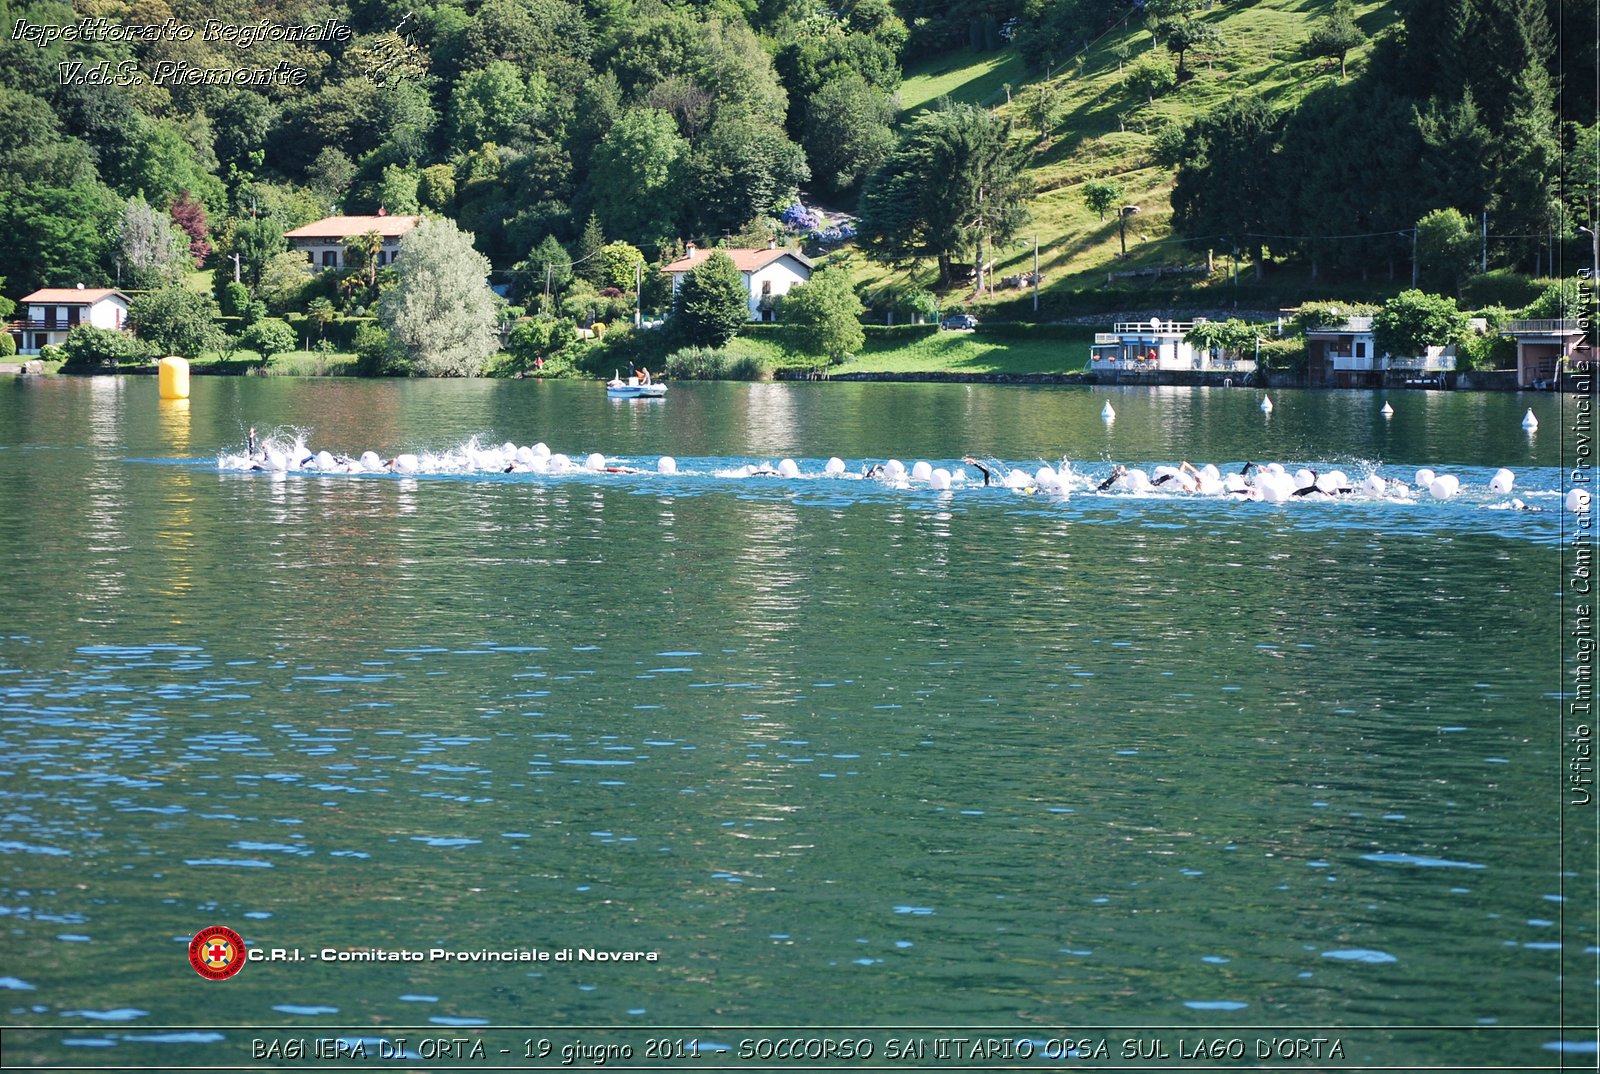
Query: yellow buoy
x,y
172,378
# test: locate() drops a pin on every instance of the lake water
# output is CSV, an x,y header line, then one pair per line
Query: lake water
x,y
1135,769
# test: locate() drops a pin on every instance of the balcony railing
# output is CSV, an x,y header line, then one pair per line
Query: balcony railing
x,y
1351,363
1547,326
1144,328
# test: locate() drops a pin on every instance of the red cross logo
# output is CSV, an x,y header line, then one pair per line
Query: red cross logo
x,y
217,953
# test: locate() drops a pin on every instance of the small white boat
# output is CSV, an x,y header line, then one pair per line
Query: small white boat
x,y
616,388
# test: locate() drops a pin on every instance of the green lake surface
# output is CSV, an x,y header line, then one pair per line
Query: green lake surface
x,y
835,753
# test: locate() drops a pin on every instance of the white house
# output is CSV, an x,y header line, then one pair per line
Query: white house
x,y
1155,346
49,314
323,242
768,274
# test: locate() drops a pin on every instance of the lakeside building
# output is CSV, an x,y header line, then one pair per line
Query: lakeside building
x,y
324,241
1141,348
51,312
1345,355
768,273
1547,346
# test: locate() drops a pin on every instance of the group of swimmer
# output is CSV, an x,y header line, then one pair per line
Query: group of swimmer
x,y
1270,482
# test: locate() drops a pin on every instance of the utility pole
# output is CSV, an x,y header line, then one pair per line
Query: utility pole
x,y
1413,258
235,258
1036,274
1484,263
638,293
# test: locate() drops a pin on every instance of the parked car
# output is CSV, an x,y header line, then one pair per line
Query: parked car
x,y
960,320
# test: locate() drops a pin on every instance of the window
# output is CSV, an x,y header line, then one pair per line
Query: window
x,y
330,259
766,287
1361,349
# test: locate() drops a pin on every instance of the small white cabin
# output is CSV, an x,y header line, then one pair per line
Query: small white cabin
x,y
768,274
47,315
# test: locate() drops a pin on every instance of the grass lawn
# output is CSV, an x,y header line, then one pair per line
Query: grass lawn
x,y
1103,130
971,352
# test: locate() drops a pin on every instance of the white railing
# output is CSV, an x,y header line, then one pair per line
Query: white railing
x,y
1144,328
1433,363
1350,362
1351,326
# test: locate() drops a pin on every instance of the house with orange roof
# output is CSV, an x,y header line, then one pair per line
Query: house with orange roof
x,y
48,314
768,273
323,242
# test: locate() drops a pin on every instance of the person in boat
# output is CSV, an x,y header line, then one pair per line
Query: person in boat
x,y
1117,472
982,469
644,375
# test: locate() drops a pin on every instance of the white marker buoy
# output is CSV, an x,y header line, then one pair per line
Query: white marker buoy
x,y
595,461
1578,500
835,467
1387,411
1502,481
1444,486
1425,477
1266,404
921,471
666,465
788,468
1529,421
1107,413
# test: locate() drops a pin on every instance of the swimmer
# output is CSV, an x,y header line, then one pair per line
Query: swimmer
x,y
250,442
873,471
1117,472
982,469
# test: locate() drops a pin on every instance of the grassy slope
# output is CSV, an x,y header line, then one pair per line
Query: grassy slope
x,y
1105,131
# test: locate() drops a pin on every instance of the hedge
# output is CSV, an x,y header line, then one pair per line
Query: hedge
x,y
340,331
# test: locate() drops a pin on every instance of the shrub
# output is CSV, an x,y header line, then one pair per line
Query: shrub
x,y
234,299
268,336
706,363
375,351
8,345
1501,287
1286,355
88,348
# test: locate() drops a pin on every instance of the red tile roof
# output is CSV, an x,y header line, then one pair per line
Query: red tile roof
x,y
744,259
70,296
348,227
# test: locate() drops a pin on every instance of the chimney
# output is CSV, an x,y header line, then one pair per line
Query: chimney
x,y
80,286
688,250
772,243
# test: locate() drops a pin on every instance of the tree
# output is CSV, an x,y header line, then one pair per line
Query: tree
x,y
1150,76
269,336
635,180
150,250
176,320
1223,186
953,182
620,266
1185,33
1335,35
440,310
361,253
712,303
190,216
1232,337
1447,247
53,234
1102,194
257,240
546,270
847,130
744,167
826,314
1412,321
586,258
320,310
